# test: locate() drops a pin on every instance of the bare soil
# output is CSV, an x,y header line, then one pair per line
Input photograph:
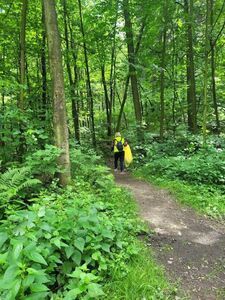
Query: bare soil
x,y
190,246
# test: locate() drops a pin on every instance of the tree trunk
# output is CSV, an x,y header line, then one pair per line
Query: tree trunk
x,y
59,103
191,90
212,48
107,102
132,69
43,70
22,60
205,94
71,81
162,77
89,90
22,53
123,104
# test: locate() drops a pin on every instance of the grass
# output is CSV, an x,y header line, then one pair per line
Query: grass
x,y
142,279
205,199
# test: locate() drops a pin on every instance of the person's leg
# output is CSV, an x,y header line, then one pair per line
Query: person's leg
x,y
122,161
116,156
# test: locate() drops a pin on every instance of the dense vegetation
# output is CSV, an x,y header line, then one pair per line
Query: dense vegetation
x,y
72,74
194,173
67,243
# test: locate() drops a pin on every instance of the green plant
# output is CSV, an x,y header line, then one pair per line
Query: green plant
x,y
14,182
43,163
65,244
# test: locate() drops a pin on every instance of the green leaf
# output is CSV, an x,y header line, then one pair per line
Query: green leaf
x,y
17,250
37,257
28,281
11,273
71,295
79,243
106,247
56,242
96,255
108,234
3,258
69,251
3,238
95,290
38,287
76,257
16,287
41,212
37,296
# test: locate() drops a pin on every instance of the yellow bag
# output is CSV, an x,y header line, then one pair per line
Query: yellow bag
x,y
128,158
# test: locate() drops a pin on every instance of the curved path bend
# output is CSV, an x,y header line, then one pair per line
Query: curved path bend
x,y
191,247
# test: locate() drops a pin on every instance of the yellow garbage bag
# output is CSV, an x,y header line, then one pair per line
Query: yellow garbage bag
x,y
128,157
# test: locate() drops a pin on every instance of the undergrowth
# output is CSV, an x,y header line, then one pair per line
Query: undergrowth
x,y
73,243
193,173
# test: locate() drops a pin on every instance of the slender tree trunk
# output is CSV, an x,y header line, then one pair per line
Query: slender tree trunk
x,y
71,81
75,102
205,94
43,70
213,68
123,103
59,103
174,75
22,72
89,90
162,75
22,53
107,102
132,69
112,82
124,115
191,90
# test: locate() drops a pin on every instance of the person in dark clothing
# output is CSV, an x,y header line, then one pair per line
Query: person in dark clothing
x,y
118,149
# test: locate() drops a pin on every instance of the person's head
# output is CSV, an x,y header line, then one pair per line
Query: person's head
x,y
117,134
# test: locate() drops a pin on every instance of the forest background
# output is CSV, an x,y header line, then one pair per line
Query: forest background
x,y
75,72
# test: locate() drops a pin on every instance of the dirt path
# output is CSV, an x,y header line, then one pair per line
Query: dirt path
x,y
191,247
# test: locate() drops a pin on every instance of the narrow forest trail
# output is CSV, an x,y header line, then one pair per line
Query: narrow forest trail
x,y
190,246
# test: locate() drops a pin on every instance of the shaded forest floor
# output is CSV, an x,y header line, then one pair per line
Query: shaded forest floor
x,y
190,246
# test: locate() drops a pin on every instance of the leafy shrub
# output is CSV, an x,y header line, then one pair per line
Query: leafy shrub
x,y
65,244
43,163
204,167
15,185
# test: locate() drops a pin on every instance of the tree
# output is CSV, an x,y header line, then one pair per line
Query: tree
x,y
89,89
132,68
205,85
22,53
191,86
162,71
59,104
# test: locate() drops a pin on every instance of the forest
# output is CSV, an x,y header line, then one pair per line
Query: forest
x,y
72,74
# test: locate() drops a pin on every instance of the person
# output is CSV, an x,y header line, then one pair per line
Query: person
x,y
118,148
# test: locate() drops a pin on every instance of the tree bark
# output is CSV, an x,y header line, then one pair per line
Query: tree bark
x,y
162,75
132,69
213,68
71,81
89,89
205,94
107,102
191,86
59,103
22,53
43,70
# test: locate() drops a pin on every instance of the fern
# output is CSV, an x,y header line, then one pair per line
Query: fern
x,y
15,181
